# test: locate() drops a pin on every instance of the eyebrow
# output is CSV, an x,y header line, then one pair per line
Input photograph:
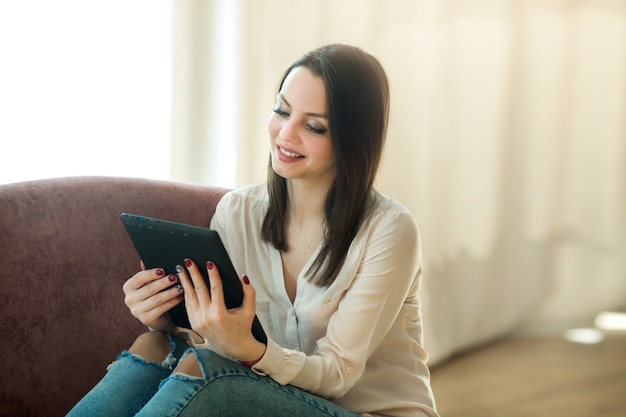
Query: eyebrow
x,y
323,116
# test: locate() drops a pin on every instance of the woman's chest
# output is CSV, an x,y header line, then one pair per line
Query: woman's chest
x,y
293,262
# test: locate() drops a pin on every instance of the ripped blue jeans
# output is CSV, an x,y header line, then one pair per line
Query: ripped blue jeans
x,y
134,387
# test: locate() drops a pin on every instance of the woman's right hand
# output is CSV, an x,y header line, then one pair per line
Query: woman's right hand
x,y
150,294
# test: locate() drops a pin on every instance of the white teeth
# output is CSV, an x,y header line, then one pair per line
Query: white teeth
x,y
289,154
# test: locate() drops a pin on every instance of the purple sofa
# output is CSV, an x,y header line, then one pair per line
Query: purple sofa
x,y
64,256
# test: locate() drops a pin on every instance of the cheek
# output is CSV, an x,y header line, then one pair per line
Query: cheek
x,y
273,127
326,149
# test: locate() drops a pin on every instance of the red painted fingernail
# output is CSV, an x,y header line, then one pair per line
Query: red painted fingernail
x,y
180,297
160,272
210,265
172,278
188,262
246,280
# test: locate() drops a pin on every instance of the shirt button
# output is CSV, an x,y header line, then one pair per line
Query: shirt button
x,y
350,370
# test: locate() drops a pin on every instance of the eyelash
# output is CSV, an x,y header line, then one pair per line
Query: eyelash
x,y
315,130
310,128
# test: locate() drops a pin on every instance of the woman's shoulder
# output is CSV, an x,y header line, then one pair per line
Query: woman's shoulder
x,y
241,207
391,225
246,197
389,218
387,208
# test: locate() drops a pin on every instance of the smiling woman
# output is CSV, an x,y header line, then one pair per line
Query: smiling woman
x,y
85,89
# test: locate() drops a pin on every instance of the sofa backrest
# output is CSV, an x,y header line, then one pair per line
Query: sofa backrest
x,y
64,256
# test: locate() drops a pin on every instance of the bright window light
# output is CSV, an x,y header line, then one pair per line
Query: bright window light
x,y
611,320
84,88
585,336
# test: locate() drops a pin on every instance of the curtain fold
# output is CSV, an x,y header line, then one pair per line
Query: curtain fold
x,y
507,139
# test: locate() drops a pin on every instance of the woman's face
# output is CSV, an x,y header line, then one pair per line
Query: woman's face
x,y
300,141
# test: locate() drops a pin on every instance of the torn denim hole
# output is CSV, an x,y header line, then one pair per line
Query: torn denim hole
x,y
168,362
186,377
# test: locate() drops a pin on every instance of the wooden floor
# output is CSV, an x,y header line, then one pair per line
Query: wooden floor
x,y
535,376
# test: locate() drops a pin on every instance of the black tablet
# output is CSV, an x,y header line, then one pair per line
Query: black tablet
x,y
165,244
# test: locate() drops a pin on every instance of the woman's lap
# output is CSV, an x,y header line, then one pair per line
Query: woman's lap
x,y
230,389
227,389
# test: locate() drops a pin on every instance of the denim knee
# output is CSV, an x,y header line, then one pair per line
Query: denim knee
x,y
227,388
129,383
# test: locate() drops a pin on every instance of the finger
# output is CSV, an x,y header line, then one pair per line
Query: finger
x,y
161,302
196,277
199,284
142,265
191,297
148,308
249,295
142,278
215,281
134,295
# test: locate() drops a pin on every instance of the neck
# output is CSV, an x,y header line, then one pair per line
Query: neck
x,y
306,202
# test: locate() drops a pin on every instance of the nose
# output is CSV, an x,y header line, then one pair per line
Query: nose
x,y
288,131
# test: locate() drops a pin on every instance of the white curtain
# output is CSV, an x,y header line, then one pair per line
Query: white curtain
x,y
507,139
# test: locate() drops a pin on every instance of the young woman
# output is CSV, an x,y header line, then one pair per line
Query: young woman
x,y
334,272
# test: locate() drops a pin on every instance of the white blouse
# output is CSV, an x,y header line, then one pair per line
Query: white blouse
x,y
357,342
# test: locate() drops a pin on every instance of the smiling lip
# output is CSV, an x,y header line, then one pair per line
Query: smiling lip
x,y
287,156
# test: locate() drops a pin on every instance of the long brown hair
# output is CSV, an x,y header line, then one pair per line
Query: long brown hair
x,y
357,106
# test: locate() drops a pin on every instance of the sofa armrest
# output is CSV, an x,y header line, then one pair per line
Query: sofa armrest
x,y
64,256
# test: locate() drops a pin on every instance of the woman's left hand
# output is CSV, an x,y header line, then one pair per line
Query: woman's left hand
x,y
230,329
